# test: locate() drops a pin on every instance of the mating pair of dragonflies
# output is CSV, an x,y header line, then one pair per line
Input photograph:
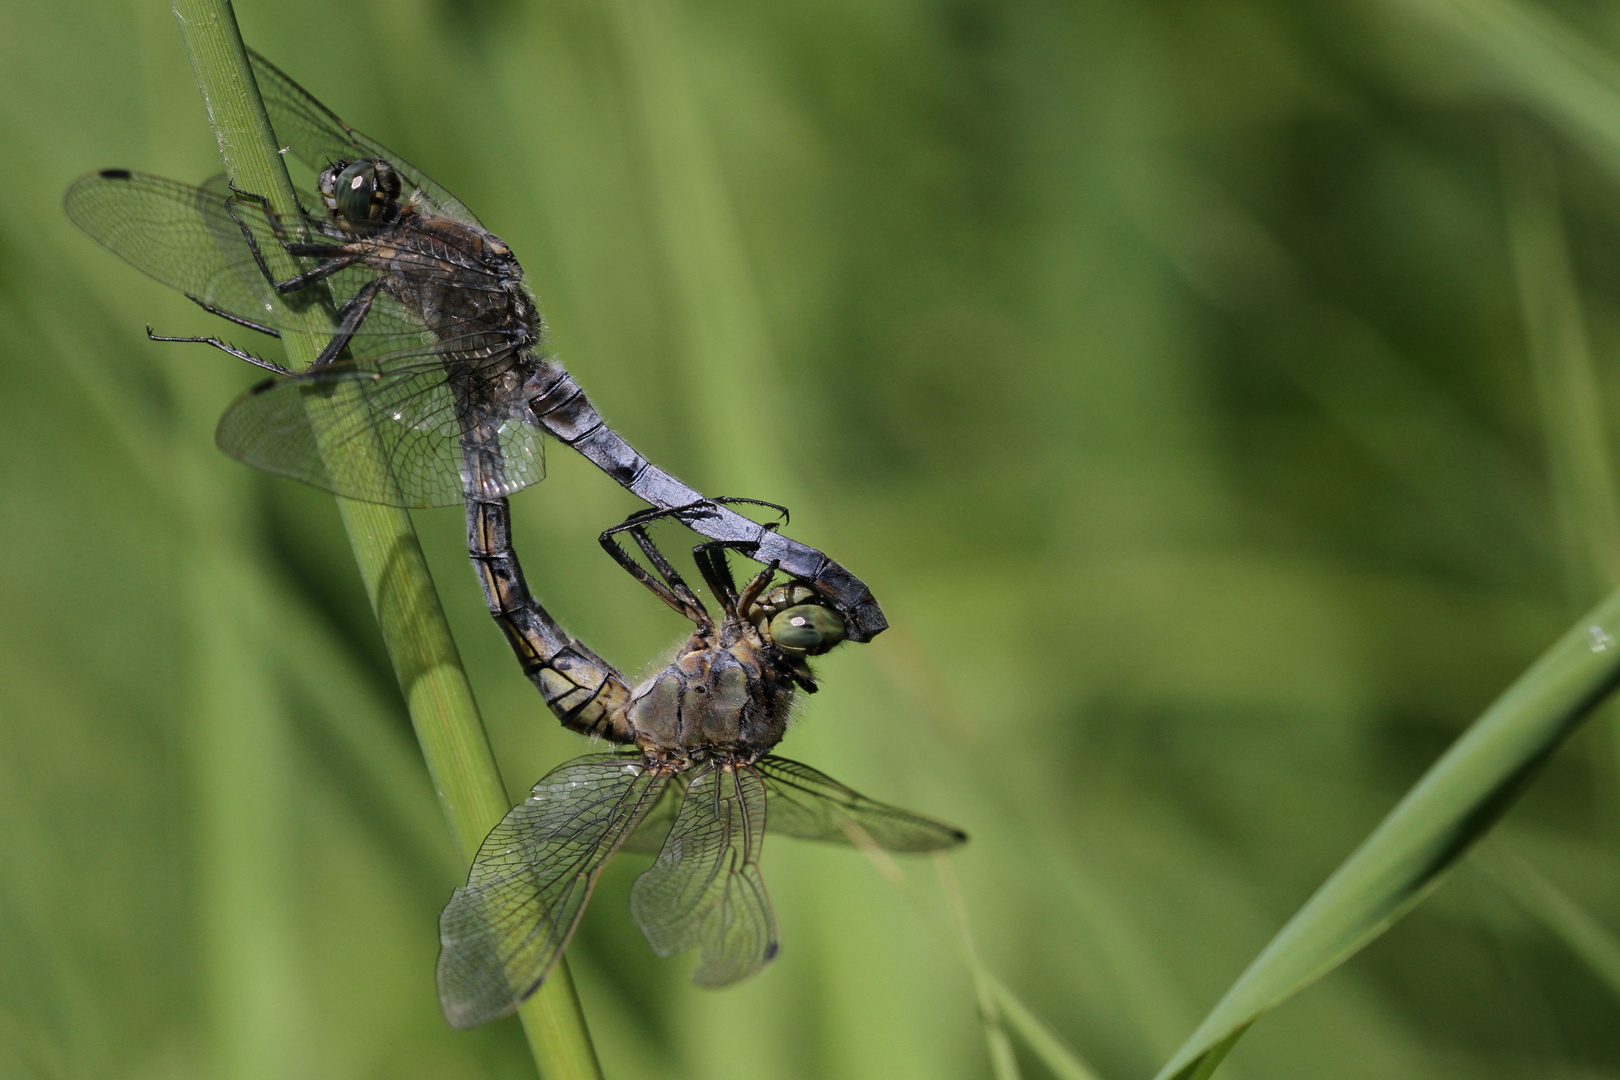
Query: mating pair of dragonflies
x,y
430,388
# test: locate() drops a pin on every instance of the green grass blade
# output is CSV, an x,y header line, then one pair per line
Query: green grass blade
x,y
1003,1060
1550,66
424,655
1561,357
729,353
997,1002
1456,802
1596,945
1058,1056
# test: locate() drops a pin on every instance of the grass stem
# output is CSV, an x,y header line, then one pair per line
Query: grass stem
x,y
426,662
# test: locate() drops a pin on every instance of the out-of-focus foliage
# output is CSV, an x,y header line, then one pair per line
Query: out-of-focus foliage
x,y
1163,366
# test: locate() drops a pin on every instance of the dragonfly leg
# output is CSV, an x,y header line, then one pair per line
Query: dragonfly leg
x,y
233,317
333,257
756,586
731,500
710,557
673,590
222,347
350,316
561,409
716,570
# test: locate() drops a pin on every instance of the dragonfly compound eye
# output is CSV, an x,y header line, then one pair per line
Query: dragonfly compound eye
x,y
808,628
356,192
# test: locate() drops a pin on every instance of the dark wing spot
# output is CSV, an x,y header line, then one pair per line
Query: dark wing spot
x,y
115,174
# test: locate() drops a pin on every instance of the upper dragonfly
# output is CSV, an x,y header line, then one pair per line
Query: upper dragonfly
x,y
429,369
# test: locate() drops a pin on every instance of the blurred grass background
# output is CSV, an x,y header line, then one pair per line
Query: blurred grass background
x,y
1214,394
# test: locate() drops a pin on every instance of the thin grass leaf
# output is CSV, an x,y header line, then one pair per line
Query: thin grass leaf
x,y
1058,1056
1538,897
1561,356
1542,61
729,353
1003,1062
1455,803
1047,1045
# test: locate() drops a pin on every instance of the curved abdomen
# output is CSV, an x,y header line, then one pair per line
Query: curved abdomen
x,y
585,692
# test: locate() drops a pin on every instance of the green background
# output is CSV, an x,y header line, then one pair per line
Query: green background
x,y
1162,366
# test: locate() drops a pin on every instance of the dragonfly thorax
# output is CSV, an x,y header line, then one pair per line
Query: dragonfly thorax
x,y
727,700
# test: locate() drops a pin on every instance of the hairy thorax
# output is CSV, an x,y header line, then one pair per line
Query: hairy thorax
x,y
727,703
463,282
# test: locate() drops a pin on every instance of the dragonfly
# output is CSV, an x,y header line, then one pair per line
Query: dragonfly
x,y
696,785
430,368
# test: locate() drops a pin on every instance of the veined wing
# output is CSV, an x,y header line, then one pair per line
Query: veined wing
x,y
181,235
811,805
649,837
705,888
387,430
318,138
501,933
187,238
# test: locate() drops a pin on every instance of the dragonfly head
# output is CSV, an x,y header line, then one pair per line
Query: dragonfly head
x,y
361,192
797,621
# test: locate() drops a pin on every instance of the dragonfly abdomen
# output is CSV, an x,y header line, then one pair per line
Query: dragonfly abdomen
x,y
585,693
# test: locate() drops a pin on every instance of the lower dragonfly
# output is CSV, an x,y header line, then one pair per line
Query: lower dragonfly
x,y
700,786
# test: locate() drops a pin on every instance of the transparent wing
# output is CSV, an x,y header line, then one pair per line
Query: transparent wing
x,y
181,235
648,839
705,888
318,138
387,430
501,933
187,238
811,805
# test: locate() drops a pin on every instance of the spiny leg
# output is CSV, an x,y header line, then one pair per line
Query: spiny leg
x,y
729,500
673,590
716,570
711,563
334,257
710,557
247,357
756,586
350,316
231,317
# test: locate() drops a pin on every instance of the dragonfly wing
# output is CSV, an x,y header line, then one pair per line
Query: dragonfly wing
x,y
811,805
181,235
649,837
388,430
186,238
705,887
503,931
318,138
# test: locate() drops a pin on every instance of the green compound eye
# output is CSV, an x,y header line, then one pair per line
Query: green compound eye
x,y
355,189
807,628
